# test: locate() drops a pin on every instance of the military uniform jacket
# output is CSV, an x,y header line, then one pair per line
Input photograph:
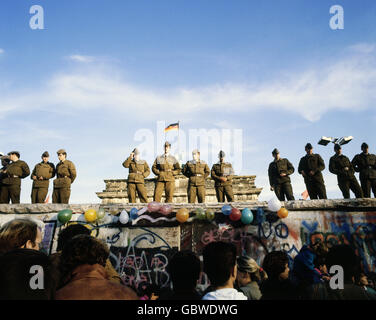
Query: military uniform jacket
x,y
65,174
197,172
15,172
312,162
337,165
2,174
166,168
45,170
366,165
276,168
138,170
222,170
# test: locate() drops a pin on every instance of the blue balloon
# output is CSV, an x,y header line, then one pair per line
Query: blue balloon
x,y
247,216
226,209
260,215
133,213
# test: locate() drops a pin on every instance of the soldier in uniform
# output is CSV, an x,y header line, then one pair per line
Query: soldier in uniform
x,y
138,171
365,164
15,171
65,175
165,167
310,167
42,173
197,171
279,171
4,162
222,173
342,167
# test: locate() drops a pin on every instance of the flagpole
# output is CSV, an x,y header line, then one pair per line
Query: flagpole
x,y
179,138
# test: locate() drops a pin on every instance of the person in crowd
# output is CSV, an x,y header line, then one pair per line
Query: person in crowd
x,y
83,261
64,237
220,267
20,233
278,285
249,276
26,274
184,269
362,281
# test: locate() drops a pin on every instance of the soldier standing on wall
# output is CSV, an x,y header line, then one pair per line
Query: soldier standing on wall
x,y
222,173
4,162
342,167
138,171
42,173
279,171
165,167
197,171
65,175
310,167
15,171
365,164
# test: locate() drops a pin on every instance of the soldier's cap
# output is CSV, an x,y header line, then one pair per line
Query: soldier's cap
x,y
364,146
337,147
14,152
61,151
45,154
221,154
135,151
275,151
195,151
308,146
167,144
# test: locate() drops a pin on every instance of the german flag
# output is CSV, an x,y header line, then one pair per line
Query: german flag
x,y
172,126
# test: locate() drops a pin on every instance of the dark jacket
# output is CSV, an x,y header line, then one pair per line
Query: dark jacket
x,y
16,171
222,170
312,162
65,174
45,170
197,172
276,168
251,291
166,168
273,289
138,170
365,164
337,165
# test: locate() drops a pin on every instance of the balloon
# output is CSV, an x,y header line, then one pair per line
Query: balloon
x,y
182,215
114,211
124,218
282,213
210,214
133,213
154,206
64,216
226,210
274,204
142,211
235,214
90,215
247,216
260,215
165,209
200,214
101,213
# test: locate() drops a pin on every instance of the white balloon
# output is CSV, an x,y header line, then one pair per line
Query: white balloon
x,y
124,217
142,211
274,204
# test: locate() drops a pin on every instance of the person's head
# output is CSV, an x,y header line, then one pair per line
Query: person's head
x,y
196,155
248,271
361,279
26,275
276,265
344,256
337,149
14,156
309,148
167,147
364,147
221,156
61,154
68,233
276,154
5,160
83,249
136,154
20,233
220,263
45,156
184,269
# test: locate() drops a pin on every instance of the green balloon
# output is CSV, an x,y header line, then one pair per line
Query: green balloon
x,y
64,216
101,213
200,214
210,214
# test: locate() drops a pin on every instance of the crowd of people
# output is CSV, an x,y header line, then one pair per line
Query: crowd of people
x,y
80,269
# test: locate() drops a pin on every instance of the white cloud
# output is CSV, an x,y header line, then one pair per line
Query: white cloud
x,y
81,58
1,51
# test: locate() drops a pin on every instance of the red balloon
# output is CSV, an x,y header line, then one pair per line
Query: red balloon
x,y
154,206
165,210
235,214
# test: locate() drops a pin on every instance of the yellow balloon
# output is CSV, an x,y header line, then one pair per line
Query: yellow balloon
x,y
282,213
90,215
182,215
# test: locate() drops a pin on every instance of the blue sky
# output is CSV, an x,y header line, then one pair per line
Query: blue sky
x,y
101,71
